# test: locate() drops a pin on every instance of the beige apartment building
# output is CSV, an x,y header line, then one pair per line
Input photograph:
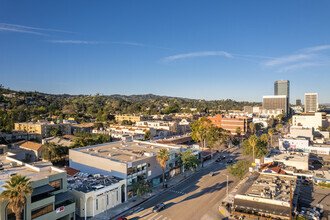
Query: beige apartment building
x,y
43,128
132,118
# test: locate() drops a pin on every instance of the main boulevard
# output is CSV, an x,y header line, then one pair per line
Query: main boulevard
x,y
197,197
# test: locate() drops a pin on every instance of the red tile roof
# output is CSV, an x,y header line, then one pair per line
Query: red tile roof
x,y
70,171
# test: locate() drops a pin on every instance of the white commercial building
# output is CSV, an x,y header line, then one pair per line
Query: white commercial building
x,y
313,120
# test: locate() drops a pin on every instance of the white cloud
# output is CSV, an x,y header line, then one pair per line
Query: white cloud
x,y
289,59
26,29
316,48
297,66
75,42
196,54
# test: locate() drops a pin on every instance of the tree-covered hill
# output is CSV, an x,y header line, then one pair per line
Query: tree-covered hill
x,y
20,106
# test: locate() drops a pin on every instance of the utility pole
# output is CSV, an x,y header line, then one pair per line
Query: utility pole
x,y
290,200
227,188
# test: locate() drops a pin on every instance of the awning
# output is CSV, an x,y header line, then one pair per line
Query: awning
x,y
62,197
261,207
42,189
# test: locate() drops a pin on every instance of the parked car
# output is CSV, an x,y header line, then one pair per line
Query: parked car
x,y
229,161
159,207
122,219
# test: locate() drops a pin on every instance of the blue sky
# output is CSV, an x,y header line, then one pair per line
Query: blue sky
x,y
194,49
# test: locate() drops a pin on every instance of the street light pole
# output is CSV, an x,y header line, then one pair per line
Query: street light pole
x,y
227,186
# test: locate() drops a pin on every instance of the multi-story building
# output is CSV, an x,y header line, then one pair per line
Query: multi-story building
x,y
310,120
276,102
311,102
50,198
298,102
132,118
132,161
95,194
43,128
231,123
17,136
282,87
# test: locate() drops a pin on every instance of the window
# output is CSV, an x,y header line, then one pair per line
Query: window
x,y
117,194
41,211
57,184
107,199
97,204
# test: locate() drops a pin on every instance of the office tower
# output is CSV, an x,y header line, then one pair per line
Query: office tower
x,y
311,104
298,102
276,102
282,87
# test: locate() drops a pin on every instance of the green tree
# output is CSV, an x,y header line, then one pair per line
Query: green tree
x,y
264,138
253,140
252,127
55,132
141,188
199,129
189,160
260,149
239,169
16,190
147,135
215,136
271,133
328,129
278,126
162,157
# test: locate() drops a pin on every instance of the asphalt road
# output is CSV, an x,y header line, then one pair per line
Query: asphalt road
x,y
198,197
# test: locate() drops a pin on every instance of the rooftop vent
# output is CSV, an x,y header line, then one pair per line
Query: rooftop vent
x,y
109,155
133,157
97,151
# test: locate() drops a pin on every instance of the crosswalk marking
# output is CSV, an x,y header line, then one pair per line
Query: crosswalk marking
x,y
153,216
159,217
176,191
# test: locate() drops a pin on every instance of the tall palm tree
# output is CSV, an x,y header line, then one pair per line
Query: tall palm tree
x,y
252,127
162,158
200,129
16,190
270,133
238,132
253,140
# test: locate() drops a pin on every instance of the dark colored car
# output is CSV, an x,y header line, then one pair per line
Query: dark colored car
x,y
159,207
230,161
218,159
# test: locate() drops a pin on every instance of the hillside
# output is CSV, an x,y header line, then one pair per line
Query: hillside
x,y
18,106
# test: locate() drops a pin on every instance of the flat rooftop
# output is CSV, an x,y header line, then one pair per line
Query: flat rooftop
x,y
271,186
126,152
298,157
85,182
34,171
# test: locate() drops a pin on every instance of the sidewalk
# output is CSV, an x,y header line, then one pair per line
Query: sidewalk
x,y
115,212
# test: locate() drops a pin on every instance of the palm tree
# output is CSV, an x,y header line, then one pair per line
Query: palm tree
x,y
16,190
270,133
238,132
264,138
252,127
162,158
200,129
253,140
